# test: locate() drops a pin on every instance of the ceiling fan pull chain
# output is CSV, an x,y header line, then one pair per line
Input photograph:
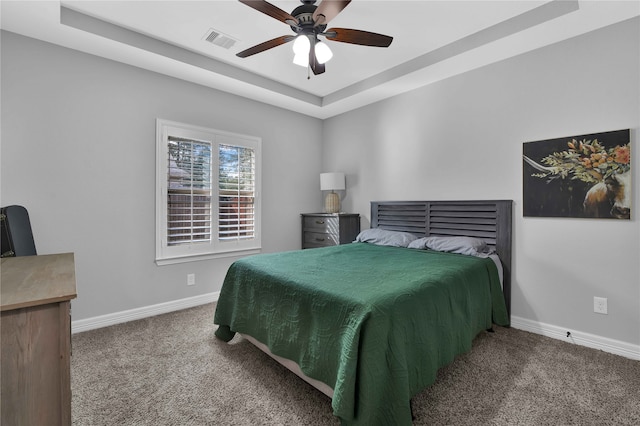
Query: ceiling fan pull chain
x,y
309,72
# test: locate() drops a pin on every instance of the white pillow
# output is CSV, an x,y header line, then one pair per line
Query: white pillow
x,y
384,237
461,245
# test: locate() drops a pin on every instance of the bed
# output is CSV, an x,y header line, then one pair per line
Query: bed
x,y
370,324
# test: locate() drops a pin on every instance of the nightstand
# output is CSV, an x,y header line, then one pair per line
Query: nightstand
x,y
329,229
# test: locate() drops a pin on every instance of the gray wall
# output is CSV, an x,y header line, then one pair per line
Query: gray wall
x,y
78,150
78,135
461,138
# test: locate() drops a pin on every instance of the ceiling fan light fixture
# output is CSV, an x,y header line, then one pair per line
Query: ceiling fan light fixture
x,y
301,45
323,53
309,21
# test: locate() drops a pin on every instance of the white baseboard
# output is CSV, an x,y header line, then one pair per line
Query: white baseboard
x,y
616,347
144,312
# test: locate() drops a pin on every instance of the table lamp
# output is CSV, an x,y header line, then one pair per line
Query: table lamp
x,y
332,182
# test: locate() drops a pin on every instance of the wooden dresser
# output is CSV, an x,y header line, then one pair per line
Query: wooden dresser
x,y
36,293
329,229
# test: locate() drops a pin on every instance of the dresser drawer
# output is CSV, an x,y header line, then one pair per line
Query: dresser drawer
x,y
321,224
318,239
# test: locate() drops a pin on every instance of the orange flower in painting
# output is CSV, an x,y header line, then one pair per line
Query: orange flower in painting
x,y
587,160
621,154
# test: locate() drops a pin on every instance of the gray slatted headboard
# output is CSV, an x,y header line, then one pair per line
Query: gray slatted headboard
x,y
489,220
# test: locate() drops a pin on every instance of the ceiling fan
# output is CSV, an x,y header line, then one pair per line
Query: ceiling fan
x,y
309,21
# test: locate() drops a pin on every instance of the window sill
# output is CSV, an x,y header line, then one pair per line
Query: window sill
x,y
207,256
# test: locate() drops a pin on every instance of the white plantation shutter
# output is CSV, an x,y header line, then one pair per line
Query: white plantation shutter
x,y
236,193
208,184
188,191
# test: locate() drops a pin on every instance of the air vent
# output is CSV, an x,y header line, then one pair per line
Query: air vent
x,y
219,39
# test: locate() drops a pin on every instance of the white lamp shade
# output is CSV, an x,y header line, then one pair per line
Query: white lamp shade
x,y
323,53
332,181
301,45
301,59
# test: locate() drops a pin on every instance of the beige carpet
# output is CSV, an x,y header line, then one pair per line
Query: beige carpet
x,y
171,370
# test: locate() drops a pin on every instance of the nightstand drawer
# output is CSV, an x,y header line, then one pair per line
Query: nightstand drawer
x,y
318,239
329,229
320,224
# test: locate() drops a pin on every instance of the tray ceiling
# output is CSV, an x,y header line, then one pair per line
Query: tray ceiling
x,y
433,40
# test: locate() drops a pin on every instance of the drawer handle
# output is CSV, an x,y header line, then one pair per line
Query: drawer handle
x,y
319,239
320,222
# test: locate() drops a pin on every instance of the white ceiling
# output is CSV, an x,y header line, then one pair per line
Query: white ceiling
x,y
432,40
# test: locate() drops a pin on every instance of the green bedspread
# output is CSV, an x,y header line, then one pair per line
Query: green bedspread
x,y
375,323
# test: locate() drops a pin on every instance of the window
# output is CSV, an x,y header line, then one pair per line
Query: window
x,y
208,186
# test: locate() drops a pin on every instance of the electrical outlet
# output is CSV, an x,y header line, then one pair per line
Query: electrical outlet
x,y
191,279
600,305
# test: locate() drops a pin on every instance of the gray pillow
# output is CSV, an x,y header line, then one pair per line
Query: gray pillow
x,y
461,245
383,237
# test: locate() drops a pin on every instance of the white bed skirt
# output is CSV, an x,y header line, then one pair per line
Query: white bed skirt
x,y
291,366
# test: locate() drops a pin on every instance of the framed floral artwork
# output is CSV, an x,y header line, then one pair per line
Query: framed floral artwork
x,y
585,176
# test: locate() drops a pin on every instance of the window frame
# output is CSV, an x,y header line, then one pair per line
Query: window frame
x,y
215,248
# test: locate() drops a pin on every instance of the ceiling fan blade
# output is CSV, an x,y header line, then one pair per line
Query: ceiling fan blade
x,y
315,66
327,10
364,38
271,10
265,46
